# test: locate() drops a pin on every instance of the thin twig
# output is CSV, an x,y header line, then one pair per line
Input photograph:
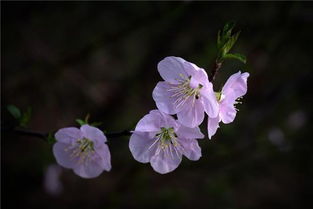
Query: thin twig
x,y
45,135
25,132
118,134
217,66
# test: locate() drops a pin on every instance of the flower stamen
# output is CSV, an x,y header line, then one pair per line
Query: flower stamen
x,y
183,91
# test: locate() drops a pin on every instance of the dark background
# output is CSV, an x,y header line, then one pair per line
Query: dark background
x,y
69,59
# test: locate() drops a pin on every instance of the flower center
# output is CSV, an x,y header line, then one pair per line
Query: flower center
x,y
85,145
167,136
83,149
166,141
219,96
183,90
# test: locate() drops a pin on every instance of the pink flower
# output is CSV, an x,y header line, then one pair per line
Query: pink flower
x,y
161,140
234,88
186,92
83,150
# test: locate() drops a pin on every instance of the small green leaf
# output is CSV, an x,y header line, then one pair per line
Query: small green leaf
x,y
87,118
51,139
219,41
96,123
24,120
230,43
228,28
80,122
236,56
14,111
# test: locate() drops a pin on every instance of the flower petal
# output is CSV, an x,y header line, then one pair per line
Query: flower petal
x,y
164,99
150,122
90,169
68,135
198,75
140,145
153,122
63,155
104,157
193,113
166,161
189,133
167,121
171,69
227,112
213,126
209,101
191,148
235,86
94,134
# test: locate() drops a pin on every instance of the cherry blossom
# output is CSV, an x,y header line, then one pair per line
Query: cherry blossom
x,y
233,90
83,150
162,141
185,91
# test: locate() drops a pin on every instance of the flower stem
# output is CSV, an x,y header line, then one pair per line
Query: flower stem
x,y
217,66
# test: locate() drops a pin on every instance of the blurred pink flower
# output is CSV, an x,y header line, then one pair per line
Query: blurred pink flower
x,y
161,140
83,150
52,183
234,88
185,91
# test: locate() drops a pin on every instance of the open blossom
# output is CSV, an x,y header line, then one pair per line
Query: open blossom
x,y
185,91
234,89
83,150
162,141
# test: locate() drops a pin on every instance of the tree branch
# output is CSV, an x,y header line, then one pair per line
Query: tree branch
x,y
217,66
45,135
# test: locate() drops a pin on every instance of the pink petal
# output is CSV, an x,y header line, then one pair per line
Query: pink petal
x,y
227,112
104,157
164,99
211,106
153,122
140,145
62,154
213,126
236,86
170,69
198,75
166,161
94,134
90,169
191,148
68,135
193,113
189,133
167,121
150,122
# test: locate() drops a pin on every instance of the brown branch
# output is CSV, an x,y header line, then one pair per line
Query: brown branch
x,y
217,66
45,135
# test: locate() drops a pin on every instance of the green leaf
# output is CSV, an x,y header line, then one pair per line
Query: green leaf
x,y
51,139
236,56
14,111
96,123
228,28
80,122
87,118
230,43
24,120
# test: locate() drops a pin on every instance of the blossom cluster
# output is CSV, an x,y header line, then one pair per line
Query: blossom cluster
x,y
159,138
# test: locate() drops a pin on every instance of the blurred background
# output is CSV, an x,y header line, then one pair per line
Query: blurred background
x,y
68,59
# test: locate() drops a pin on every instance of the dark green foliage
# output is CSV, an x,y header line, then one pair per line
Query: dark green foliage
x,y
50,138
23,118
225,42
